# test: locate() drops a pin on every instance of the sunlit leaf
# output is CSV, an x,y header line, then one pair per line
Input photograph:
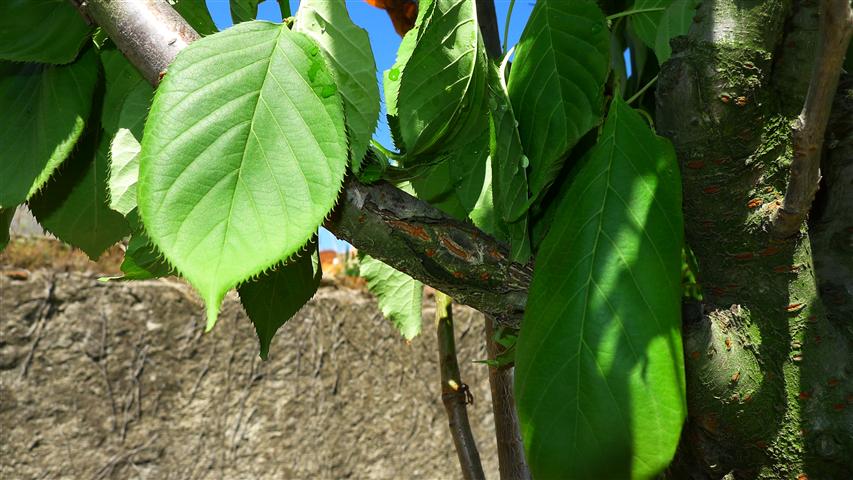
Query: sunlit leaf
x,y
274,297
44,31
557,83
350,58
124,171
243,155
44,111
399,295
599,367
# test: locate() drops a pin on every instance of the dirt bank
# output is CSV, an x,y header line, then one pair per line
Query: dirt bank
x,y
117,380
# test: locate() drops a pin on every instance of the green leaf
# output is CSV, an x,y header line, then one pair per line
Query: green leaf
x,y
557,83
599,368
74,205
274,297
443,85
391,77
244,10
645,25
6,216
284,6
243,155
128,96
124,171
346,48
142,261
45,109
399,295
196,14
676,21
44,31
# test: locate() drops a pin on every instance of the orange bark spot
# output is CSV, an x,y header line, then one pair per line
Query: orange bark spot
x,y
755,202
735,377
794,307
695,355
695,164
458,275
713,189
833,382
769,251
805,395
454,248
728,343
744,256
415,231
741,101
430,252
838,407
484,276
725,98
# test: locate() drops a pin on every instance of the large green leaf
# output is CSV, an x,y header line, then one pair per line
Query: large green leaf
x,y
443,86
74,205
124,171
557,82
645,24
127,97
243,155
196,14
600,376
391,77
348,53
44,31
676,21
399,295
244,10
44,111
275,296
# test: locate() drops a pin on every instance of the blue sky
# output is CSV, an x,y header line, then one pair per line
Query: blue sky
x,y
383,40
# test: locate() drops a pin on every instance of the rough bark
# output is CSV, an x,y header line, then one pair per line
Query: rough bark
x,y
386,223
766,378
511,460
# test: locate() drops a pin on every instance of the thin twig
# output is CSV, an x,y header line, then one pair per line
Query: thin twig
x,y
836,27
512,464
455,394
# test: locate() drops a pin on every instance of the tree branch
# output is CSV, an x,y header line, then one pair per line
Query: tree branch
x,y
836,27
454,393
384,222
512,463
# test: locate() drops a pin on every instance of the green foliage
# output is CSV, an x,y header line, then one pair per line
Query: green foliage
x,y
124,171
275,296
243,155
443,85
74,204
127,97
346,48
196,14
44,112
676,20
399,295
142,261
645,24
244,10
557,83
599,378
46,31
6,216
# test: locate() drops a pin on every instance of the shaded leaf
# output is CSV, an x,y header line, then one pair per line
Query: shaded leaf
x,y
645,24
6,216
557,83
350,58
399,295
443,85
676,20
244,10
128,96
74,205
599,367
44,31
196,14
243,155
274,297
142,261
44,111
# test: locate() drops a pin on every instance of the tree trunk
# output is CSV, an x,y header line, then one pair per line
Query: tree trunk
x,y
767,370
